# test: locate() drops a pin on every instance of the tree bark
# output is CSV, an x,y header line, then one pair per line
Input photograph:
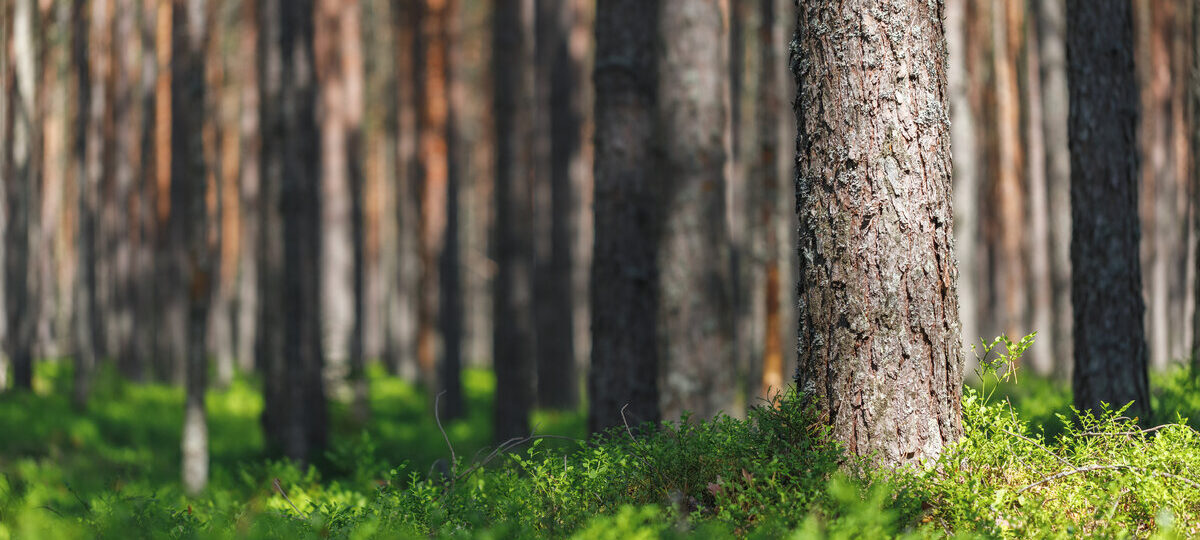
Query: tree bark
x,y
623,382
189,170
20,165
250,191
695,314
513,335
295,416
558,145
879,339
1110,343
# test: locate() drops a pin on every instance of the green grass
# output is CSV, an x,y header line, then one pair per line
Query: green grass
x,y
111,472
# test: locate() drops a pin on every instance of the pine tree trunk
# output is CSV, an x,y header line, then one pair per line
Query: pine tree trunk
x,y
966,173
86,178
623,381
188,172
1051,26
295,416
250,191
1106,282
20,166
558,144
513,333
879,340
695,314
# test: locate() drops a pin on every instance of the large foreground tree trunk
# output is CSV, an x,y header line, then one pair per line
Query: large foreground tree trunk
x,y
623,383
1106,281
879,341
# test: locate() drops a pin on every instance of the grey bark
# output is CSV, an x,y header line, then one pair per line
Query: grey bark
x,y
1110,342
250,186
696,311
20,163
623,381
559,143
880,352
1051,27
188,172
450,301
513,336
295,416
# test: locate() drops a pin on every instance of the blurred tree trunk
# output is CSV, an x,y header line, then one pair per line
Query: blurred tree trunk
x,y
189,170
450,311
171,295
250,190
400,346
20,166
87,178
513,335
878,275
338,43
1153,33
1038,287
222,149
558,143
1110,343
770,182
126,174
1051,27
295,416
623,380
695,314
966,171
145,322
1009,189
1194,146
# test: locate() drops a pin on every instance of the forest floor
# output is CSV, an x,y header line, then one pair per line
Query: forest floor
x,y
113,470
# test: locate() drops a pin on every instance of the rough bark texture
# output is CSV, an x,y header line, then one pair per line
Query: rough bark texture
x,y
879,338
1051,27
513,286
695,312
558,142
623,382
20,168
294,417
1110,343
189,170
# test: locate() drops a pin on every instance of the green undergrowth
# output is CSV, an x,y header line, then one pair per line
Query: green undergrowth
x,y
1027,466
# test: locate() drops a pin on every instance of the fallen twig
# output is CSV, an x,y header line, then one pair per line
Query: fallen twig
x,y
1118,466
1039,445
279,488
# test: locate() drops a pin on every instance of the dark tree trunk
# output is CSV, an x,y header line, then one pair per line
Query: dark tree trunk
x,y
1194,143
145,323
623,382
450,310
295,416
558,144
879,343
20,167
696,315
1106,283
770,188
513,336
188,172
87,179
